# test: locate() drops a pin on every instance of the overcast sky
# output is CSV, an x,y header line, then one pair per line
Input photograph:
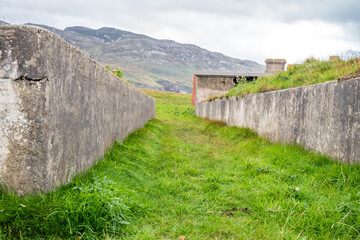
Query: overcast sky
x,y
253,30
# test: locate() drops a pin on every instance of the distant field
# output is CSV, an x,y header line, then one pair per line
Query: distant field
x,y
172,77
312,71
182,177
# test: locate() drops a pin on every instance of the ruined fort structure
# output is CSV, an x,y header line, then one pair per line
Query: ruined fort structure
x,y
207,84
59,110
324,117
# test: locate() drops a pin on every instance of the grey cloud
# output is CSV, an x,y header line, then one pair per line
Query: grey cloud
x,y
186,20
281,10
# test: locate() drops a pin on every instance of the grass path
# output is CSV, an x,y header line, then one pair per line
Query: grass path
x,y
182,177
218,182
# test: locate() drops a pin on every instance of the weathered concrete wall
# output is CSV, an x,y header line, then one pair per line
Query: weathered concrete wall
x,y
275,65
59,110
323,117
216,83
207,86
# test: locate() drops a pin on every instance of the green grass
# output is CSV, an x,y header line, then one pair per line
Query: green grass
x,y
182,177
312,71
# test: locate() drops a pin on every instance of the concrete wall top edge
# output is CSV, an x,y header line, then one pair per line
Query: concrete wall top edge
x,y
42,31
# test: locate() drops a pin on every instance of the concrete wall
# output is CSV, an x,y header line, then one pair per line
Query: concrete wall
x,y
207,86
323,117
59,110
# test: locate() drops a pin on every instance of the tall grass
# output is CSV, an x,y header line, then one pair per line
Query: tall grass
x,y
312,71
94,205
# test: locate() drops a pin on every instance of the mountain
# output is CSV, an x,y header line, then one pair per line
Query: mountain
x,y
148,62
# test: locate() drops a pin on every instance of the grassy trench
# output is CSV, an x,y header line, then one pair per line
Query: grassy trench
x,y
182,177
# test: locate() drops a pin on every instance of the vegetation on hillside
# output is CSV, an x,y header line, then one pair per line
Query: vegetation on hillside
x,y
182,177
312,71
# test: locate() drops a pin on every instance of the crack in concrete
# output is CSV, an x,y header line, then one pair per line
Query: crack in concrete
x,y
25,78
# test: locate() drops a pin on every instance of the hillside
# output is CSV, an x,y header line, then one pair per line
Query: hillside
x,y
149,62
182,177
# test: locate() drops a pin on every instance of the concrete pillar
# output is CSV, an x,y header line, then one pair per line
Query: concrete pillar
x,y
275,65
334,58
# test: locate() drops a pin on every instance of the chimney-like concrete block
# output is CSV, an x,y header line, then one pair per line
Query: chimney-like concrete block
x,y
275,65
334,58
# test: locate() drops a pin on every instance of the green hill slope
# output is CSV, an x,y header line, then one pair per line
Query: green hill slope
x,y
182,177
312,71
